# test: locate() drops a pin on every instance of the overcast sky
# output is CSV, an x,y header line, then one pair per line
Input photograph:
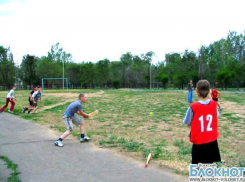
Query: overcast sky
x,y
92,30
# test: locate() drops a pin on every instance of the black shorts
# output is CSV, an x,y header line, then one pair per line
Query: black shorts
x,y
206,153
215,99
31,103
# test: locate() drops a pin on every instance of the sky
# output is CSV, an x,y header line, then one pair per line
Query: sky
x,y
92,30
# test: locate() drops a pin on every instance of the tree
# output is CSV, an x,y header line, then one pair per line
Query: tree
x,y
7,68
163,78
224,76
148,58
28,67
103,71
116,83
180,79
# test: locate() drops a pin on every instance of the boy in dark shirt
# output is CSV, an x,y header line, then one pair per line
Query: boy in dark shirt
x,y
30,100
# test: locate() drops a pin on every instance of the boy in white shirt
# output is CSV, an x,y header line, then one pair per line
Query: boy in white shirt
x,y
9,98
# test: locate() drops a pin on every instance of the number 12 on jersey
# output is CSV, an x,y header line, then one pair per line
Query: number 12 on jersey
x,y
209,118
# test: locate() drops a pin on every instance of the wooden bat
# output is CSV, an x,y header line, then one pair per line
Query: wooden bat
x,y
93,113
148,160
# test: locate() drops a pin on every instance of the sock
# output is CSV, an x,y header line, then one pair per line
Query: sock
x,y
82,135
60,139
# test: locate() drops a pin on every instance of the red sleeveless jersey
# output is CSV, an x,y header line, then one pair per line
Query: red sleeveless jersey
x,y
204,125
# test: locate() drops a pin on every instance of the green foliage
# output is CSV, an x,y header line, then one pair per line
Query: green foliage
x,y
28,67
222,61
116,83
14,175
224,76
7,68
164,78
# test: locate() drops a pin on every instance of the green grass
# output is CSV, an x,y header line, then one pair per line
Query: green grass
x,y
10,165
124,122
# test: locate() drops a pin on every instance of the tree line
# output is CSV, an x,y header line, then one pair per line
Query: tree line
x,y
223,61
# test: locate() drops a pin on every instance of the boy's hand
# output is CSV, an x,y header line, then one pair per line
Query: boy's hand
x,y
15,99
86,116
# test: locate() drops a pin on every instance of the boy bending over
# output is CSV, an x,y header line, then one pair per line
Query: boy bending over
x,y
70,119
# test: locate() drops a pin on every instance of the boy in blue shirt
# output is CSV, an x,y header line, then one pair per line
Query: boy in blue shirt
x,y
70,119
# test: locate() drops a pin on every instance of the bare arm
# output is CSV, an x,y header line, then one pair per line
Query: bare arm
x,y
81,113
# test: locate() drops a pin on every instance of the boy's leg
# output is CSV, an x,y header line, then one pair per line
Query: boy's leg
x,y
218,105
35,109
12,105
214,147
6,105
69,128
201,154
80,121
191,96
64,135
82,128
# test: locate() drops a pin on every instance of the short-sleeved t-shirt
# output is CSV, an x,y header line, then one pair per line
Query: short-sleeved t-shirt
x,y
214,94
37,95
10,94
32,92
73,108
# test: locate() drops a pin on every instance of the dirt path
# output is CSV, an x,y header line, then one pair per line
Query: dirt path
x,y
70,97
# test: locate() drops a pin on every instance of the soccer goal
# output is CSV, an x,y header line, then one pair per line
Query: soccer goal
x,y
63,85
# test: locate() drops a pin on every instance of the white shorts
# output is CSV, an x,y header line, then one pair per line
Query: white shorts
x,y
69,121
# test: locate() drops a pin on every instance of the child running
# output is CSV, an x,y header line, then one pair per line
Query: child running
x,y
70,119
30,99
215,96
35,96
202,116
9,98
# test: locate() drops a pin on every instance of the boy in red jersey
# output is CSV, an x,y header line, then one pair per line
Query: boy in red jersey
x,y
215,95
202,116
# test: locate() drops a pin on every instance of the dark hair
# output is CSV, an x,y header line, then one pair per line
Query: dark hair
x,y
14,86
203,87
81,95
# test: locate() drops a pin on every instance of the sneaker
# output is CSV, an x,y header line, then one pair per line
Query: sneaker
x,y
85,139
29,112
58,143
11,111
24,109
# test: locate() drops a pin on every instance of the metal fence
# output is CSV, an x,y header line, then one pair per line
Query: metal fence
x,y
155,85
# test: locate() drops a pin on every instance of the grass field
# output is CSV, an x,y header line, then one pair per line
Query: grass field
x,y
125,124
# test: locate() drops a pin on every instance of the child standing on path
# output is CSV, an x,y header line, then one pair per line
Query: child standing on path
x,y
70,119
202,116
9,98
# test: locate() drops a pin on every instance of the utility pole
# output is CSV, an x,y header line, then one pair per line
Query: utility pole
x,y
63,74
150,74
